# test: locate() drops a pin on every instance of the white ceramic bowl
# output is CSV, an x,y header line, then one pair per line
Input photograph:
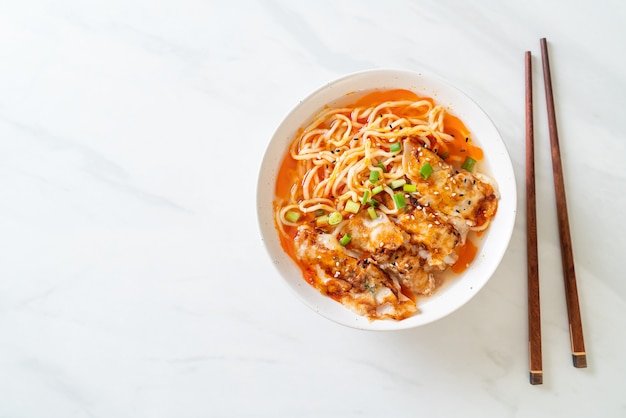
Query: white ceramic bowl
x,y
497,163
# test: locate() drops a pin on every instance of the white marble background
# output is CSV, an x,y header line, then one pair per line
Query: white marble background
x,y
133,281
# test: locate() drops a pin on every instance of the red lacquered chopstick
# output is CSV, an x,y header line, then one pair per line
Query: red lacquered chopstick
x,y
579,355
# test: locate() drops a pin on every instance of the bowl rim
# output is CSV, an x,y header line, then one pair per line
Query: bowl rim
x,y
338,89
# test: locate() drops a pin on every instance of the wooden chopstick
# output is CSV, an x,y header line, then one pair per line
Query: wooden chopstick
x,y
534,315
579,356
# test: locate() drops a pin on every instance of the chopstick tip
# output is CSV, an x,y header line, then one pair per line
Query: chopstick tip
x,y
580,360
536,377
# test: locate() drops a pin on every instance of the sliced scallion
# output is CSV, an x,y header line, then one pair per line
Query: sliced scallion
x,y
335,218
377,190
398,183
292,216
409,188
374,174
352,206
320,212
395,147
398,198
468,164
426,171
345,239
372,212
321,220
373,203
366,196
381,166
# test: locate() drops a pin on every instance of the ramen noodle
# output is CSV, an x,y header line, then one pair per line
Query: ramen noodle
x,y
374,201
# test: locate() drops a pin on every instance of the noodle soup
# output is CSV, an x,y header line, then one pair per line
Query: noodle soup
x,y
330,223
378,197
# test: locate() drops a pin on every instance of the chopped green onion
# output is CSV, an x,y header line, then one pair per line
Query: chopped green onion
x,y
426,171
382,166
373,203
320,212
395,147
345,239
377,190
469,164
409,188
335,218
398,183
366,196
321,220
352,206
293,216
398,198
372,213
374,176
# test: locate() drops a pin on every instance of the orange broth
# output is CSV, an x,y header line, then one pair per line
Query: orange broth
x,y
467,253
457,150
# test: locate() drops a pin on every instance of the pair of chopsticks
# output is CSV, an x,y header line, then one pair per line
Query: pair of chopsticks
x,y
579,356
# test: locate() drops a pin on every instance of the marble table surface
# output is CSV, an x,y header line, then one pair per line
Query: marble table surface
x,y
133,279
